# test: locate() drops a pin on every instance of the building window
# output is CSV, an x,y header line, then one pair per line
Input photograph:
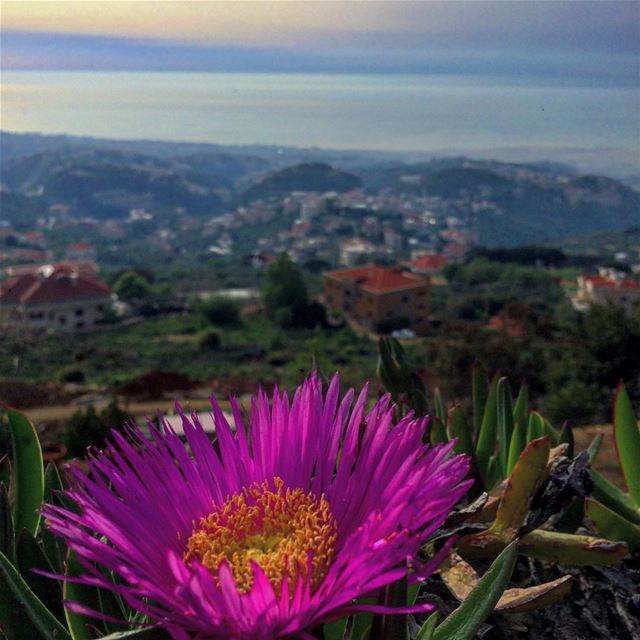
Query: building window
x,y
405,299
79,325
62,320
80,311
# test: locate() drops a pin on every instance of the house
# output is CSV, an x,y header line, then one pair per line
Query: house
x,y
379,298
608,287
354,250
54,298
428,265
81,251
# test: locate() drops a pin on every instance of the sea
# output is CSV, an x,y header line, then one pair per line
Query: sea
x,y
453,113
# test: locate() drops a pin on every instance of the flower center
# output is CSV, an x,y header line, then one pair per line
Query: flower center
x,y
285,531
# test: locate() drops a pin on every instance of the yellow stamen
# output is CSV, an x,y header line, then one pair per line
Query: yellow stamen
x,y
278,529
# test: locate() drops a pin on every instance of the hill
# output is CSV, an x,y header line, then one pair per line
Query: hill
x,y
514,204
308,176
104,183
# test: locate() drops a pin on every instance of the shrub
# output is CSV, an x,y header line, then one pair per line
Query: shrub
x,y
73,375
210,340
220,311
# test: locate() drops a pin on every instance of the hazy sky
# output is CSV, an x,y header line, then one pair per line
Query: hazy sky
x,y
578,38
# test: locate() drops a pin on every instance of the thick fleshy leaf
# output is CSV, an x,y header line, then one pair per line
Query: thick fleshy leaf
x,y
517,444
612,497
505,423
594,448
38,614
570,549
79,625
626,435
566,437
7,532
438,406
522,403
486,442
479,392
461,578
458,428
535,428
335,630
361,627
54,547
52,482
437,432
612,525
536,597
527,476
429,627
5,466
30,557
551,431
392,627
28,472
148,633
463,623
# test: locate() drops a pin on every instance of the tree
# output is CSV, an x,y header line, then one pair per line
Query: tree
x,y
284,293
90,428
133,287
220,311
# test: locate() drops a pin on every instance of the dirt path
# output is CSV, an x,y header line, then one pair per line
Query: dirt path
x,y
58,413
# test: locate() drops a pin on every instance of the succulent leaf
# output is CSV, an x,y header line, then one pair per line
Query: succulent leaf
x,y
463,623
528,474
458,428
536,597
486,442
38,614
570,549
480,393
612,497
535,428
28,472
626,435
522,403
505,423
612,525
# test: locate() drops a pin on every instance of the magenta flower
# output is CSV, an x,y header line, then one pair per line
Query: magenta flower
x,y
263,535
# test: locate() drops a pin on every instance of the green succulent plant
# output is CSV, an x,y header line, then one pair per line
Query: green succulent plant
x,y
517,455
612,512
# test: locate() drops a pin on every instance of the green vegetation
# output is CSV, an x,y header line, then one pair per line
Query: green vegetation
x,y
90,428
220,311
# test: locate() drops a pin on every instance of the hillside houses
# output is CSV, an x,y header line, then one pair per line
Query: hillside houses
x,y
61,298
379,299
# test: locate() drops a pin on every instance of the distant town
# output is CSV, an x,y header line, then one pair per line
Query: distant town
x,y
230,267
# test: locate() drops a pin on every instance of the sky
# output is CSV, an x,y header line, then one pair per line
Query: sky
x,y
581,39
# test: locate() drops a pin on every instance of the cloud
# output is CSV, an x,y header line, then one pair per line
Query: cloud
x,y
585,25
581,39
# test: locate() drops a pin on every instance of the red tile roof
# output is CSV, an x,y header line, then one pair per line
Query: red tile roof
x,y
379,279
61,284
512,327
80,246
430,263
601,282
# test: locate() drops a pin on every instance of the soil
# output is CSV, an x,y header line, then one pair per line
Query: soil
x,y
604,603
